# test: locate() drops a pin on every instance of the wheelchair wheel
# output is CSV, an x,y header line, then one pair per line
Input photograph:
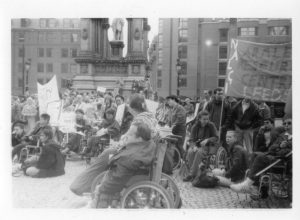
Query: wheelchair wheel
x,y
176,158
221,158
146,194
169,184
96,182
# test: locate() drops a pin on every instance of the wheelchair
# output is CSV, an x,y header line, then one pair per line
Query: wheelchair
x,y
153,189
29,151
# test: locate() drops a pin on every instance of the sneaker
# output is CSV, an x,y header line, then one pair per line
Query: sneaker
x,y
188,178
223,181
243,187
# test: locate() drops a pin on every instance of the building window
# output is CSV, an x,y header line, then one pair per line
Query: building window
x,y
73,68
183,67
20,82
64,68
160,40
52,23
159,72
223,35
67,23
40,67
221,82
21,52
40,52
42,36
160,26
21,37
20,67
248,31
83,68
64,52
49,52
43,23
50,37
66,37
74,38
159,83
182,82
160,57
73,52
75,23
182,51
25,22
40,81
222,68
49,68
183,23
182,36
278,31
223,52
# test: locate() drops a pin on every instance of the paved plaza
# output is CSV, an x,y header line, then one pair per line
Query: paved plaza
x,y
55,193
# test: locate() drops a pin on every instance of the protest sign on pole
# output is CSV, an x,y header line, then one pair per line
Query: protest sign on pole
x,y
67,122
47,93
259,71
151,105
120,113
101,89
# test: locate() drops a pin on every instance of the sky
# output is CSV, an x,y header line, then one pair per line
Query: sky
x,y
152,21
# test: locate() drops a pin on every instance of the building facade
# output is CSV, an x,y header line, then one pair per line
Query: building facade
x,y
201,47
47,47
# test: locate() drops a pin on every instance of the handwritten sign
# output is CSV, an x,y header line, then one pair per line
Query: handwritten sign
x,y
151,105
54,110
67,122
120,113
101,89
47,93
259,71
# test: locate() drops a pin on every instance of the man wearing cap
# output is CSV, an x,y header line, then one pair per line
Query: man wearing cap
x,y
177,119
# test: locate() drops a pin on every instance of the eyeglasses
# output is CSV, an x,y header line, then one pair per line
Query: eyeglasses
x,y
287,123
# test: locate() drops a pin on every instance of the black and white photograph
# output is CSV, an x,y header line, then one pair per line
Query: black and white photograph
x,y
150,110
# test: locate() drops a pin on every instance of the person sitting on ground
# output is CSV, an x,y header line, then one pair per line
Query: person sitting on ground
x,y
33,136
133,159
238,159
203,135
108,129
279,149
137,107
50,162
18,134
74,138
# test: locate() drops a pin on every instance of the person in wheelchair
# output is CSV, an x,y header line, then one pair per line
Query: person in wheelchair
x,y
137,107
33,136
237,161
280,149
203,135
81,125
131,160
108,129
50,162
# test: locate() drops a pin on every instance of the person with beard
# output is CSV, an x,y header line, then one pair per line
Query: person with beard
x,y
18,134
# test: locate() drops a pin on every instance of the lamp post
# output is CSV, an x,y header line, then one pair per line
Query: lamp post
x,y
178,68
27,67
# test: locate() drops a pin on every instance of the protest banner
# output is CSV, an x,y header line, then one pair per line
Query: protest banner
x,y
67,121
259,71
54,110
47,93
151,105
120,113
101,89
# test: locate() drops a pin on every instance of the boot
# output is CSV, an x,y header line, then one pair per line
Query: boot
x,y
243,187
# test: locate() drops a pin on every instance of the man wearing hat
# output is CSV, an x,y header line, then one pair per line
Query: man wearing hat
x,y
177,119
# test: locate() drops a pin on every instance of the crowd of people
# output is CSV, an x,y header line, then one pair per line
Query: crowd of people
x,y
244,127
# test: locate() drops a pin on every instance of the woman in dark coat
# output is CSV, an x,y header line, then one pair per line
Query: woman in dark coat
x,y
50,162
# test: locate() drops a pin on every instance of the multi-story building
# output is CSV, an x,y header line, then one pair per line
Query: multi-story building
x,y
48,46
152,57
202,47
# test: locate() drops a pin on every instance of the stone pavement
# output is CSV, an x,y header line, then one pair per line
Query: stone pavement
x,y
55,193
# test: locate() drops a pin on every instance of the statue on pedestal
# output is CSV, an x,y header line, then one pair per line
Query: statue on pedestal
x,y
117,27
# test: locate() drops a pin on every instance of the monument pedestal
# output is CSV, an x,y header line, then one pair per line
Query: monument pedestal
x,y
116,49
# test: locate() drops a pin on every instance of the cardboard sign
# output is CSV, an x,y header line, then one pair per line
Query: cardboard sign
x,y
151,105
120,113
101,89
54,110
67,122
259,71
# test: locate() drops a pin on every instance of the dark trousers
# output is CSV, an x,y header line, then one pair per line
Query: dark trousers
x,y
17,149
180,130
74,142
83,182
260,161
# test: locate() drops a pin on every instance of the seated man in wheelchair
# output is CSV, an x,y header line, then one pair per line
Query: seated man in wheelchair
x,y
108,129
203,135
237,161
33,136
81,125
280,149
18,134
50,162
